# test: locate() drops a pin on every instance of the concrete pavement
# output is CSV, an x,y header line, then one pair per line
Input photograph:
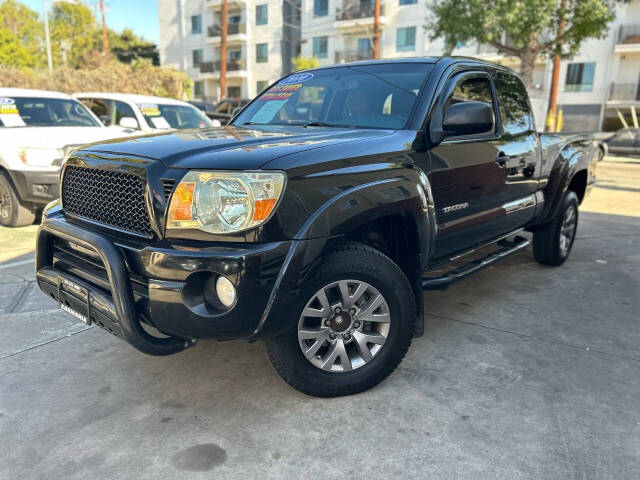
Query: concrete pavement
x,y
524,371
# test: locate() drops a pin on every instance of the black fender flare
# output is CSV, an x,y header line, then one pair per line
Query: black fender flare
x,y
568,162
407,192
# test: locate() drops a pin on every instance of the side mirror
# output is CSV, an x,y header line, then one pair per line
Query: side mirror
x,y
129,122
468,118
105,119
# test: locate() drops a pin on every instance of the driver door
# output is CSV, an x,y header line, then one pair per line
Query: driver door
x,y
468,181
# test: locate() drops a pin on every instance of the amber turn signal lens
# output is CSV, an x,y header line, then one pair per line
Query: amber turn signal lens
x,y
263,208
182,202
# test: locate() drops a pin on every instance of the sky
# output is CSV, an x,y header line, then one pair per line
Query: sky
x,y
139,15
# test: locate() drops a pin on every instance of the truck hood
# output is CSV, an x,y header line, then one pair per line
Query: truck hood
x,y
56,137
230,147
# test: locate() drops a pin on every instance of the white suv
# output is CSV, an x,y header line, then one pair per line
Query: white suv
x,y
143,112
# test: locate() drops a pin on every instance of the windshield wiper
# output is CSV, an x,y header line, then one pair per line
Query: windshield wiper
x,y
324,124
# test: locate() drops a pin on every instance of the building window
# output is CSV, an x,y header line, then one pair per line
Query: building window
x,y
198,89
579,77
408,2
320,47
406,39
262,14
261,85
320,8
197,57
262,53
196,24
234,92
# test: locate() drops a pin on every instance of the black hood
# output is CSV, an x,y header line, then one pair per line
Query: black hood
x,y
232,148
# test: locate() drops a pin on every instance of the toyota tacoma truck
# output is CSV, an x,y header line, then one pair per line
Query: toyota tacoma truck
x,y
314,220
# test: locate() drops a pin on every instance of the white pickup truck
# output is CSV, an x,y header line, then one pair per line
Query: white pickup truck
x,y
37,129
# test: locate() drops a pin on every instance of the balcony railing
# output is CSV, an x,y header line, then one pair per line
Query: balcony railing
x,y
625,92
354,10
232,29
232,66
629,34
207,67
354,55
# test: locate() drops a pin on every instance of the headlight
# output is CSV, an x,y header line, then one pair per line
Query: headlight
x,y
224,202
40,157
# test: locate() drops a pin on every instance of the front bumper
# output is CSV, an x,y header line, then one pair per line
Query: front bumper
x,y
38,187
119,286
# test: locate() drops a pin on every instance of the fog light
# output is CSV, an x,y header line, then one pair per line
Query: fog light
x,y
226,291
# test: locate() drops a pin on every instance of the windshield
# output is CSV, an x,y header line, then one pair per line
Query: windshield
x,y
44,112
180,117
365,96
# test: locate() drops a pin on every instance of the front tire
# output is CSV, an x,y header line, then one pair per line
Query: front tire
x,y
12,212
553,241
353,325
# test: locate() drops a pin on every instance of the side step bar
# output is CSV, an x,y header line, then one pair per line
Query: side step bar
x,y
508,248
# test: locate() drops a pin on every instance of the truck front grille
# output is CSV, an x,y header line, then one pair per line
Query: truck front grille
x,y
111,198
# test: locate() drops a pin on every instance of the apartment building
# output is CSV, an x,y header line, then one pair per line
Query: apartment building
x,y
262,38
597,85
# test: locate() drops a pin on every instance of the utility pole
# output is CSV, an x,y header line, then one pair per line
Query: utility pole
x,y
555,77
105,38
376,30
46,35
224,13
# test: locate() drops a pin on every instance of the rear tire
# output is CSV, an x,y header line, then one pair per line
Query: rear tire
x,y
553,241
369,350
12,212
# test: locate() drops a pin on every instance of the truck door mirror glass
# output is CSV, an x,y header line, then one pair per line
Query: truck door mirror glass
x,y
468,118
128,122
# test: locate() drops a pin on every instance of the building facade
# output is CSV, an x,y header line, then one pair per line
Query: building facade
x,y
602,80
598,85
262,38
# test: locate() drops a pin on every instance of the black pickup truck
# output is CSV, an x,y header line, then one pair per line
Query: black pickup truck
x,y
315,219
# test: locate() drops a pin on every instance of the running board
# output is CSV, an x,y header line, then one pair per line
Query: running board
x,y
508,248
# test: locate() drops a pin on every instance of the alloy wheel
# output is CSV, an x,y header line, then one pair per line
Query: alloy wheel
x,y
344,326
5,202
568,229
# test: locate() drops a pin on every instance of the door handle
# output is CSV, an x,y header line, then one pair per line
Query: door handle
x,y
501,159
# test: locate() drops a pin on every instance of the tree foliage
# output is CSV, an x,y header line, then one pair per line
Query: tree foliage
x,y
72,25
102,74
523,28
303,63
21,35
74,29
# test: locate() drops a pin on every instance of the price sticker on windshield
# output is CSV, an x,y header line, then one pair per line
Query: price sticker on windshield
x,y
8,106
296,78
279,92
9,114
149,109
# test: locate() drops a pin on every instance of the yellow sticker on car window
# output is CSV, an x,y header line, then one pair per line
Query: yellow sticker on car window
x,y
149,109
8,106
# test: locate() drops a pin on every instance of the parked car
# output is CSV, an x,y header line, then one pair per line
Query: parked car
x,y
205,107
227,108
315,229
624,142
143,112
37,129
